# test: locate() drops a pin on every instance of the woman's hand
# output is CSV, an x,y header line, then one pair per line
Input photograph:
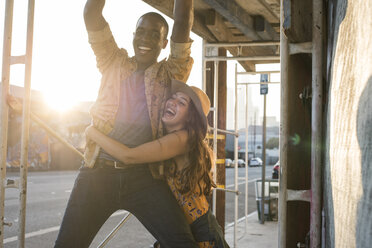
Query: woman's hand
x,y
14,103
89,130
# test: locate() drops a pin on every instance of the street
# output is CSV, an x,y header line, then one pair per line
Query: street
x,y
47,197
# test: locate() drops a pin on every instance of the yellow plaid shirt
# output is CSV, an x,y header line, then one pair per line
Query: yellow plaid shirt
x,y
115,65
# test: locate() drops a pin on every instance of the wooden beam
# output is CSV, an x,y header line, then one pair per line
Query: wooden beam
x,y
166,7
236,15
296,19
269,9
264,29
272,6
200,29
217,26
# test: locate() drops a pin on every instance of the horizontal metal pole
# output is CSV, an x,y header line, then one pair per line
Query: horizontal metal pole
x,y
225,131
55,135
17,60
114,231
243,58
244,44
228,190
258,83
257,72
305,47
298,195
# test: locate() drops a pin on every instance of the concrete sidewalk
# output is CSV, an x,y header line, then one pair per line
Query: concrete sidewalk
x,y
257,235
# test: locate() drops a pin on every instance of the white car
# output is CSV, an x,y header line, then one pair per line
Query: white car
x,y
228,163
241,163
254,162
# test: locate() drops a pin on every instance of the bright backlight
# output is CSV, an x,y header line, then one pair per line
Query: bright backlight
x,y
59,101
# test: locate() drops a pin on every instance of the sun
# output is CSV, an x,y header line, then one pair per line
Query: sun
x,y
59,101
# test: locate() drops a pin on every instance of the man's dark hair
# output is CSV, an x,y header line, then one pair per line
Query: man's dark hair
x,y
158,16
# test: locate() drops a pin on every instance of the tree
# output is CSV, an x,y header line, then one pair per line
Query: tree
x,y
272,143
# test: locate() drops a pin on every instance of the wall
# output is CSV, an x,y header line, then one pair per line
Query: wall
x,y
348,118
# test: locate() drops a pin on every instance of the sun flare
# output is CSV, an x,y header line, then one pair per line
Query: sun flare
x,y
59,101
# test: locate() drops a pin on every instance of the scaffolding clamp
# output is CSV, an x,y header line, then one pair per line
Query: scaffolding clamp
x,y
12,183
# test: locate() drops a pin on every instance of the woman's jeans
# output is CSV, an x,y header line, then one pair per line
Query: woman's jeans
x,y
101,191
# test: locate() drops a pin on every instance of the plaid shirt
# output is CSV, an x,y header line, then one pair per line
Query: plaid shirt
x,y
115,66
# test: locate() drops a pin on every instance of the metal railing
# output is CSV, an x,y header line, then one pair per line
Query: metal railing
x,y
7,61
212,56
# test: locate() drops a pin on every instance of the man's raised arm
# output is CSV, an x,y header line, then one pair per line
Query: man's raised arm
x,y
183,14
93,17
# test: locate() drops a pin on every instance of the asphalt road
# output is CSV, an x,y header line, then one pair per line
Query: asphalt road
x,y
47,196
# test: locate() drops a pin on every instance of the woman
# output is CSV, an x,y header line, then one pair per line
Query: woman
x,y
189,160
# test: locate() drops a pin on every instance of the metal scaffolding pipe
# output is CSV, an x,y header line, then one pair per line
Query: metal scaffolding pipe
x,y
114,231
257,72
246,158
236,156
25,126
224,131
7,43
258,83
204,68
304,47
228,190
284,59
17,60
55,135
215,120
263,163
316,125
244,44
243,58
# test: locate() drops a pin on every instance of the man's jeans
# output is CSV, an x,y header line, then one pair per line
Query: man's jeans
x,y
101,191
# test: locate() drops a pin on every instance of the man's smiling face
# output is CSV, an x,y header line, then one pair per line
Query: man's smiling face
x,y
148,41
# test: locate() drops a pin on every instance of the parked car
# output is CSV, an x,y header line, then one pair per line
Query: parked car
x,y
241,163
254,162
228,163
275,174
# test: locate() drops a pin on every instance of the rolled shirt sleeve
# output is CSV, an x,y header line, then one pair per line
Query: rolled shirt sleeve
x,y
105,48
180,62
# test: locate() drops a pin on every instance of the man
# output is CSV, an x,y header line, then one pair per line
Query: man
x,y
129,107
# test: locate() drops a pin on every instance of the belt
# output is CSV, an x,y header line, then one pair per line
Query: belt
x,y
112,163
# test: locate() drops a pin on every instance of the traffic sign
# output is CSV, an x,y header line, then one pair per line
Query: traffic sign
x,y
264,88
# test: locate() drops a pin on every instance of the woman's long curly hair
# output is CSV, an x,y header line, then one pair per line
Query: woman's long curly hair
x,y
197,176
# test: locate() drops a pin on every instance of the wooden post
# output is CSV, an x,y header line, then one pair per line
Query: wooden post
x,y
222,92
295,156
221,171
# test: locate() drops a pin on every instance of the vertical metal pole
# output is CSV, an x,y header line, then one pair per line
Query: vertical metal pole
x,y
215,115
204,68
25,126
263,163
7,43
284,59
236,155
254,135
316,125
246,158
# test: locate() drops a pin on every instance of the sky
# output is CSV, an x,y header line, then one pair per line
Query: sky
x,y
64,66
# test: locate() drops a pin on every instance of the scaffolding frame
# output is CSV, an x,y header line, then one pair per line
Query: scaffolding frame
x,y
7,61
246,84
215,58
314,194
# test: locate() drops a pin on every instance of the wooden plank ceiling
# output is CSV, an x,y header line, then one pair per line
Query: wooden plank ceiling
x,y
229,21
